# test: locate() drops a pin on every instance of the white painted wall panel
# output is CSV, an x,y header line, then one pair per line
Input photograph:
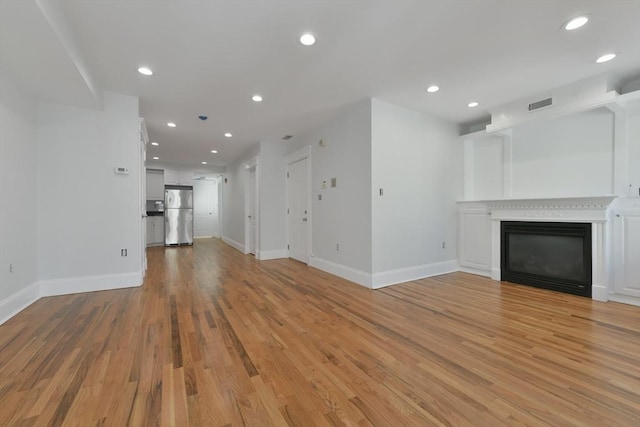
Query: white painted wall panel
x,y
343,216
417,160
86,212
18,190
568,156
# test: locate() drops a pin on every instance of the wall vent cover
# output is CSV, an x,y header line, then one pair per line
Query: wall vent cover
x,y
539,104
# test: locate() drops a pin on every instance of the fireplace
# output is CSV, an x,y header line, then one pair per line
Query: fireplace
x,y
550,255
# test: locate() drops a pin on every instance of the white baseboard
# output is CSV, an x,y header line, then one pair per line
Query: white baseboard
x,y
275,254
496,274
357,276
402,275
476,271
233,243
76,285
599,293
18,301
624,299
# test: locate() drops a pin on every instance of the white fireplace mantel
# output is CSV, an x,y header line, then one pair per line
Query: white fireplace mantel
x,y
592,210
568,209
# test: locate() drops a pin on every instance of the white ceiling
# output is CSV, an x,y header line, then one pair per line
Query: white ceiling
x,y
209,57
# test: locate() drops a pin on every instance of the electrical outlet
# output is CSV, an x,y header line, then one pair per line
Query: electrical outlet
x,y
10,268
123,252
337,246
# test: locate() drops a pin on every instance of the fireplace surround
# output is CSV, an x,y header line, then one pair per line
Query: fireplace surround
x,y
549,255
591,210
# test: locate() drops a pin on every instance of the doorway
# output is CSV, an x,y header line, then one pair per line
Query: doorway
x,y
251,210
298,205
205,208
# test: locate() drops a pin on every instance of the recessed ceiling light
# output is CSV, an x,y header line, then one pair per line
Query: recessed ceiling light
x,y
204,163
214,151
156,158
228,135
433,88
145,71
256,98
472,104
171,124
605,58
155,143
576,23
307,39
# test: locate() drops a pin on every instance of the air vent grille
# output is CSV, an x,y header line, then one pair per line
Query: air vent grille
x,y
539,104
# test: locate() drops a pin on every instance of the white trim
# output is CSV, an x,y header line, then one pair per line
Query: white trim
x,y
237,245
18,301
599,293
274,254
357,276
302,153
76,285
403,275
624,299
476,271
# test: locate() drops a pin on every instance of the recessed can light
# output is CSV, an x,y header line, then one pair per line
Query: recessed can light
x,y
171,124
256,98
576,23
204,163
145,71
307,39
214,151
155,143
433,88
606,58
228,135
156,158
472,104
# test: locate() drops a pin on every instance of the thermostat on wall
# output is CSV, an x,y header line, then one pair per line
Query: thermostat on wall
x,y
121,171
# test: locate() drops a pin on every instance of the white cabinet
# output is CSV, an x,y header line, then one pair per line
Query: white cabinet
x,y
173,177
155,230
626,250
474,238
155,184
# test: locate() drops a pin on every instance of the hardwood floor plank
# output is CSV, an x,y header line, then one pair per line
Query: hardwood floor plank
x,y
216,338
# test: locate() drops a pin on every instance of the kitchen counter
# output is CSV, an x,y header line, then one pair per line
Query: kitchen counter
x,y
152,213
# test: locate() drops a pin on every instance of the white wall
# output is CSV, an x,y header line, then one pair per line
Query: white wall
x,y
272,194
87,213
233,200
416,161
567,156
632,185
18,193
343,216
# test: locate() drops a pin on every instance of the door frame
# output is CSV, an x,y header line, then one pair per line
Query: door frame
x,y
296,156
251,165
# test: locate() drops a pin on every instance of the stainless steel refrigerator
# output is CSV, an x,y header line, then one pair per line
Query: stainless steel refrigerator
x,y
178,215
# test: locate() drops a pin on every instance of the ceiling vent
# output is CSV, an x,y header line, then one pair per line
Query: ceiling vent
x,y
539,104
287,137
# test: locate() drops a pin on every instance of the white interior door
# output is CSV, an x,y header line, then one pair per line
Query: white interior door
x,y
298,210
253,212
205,208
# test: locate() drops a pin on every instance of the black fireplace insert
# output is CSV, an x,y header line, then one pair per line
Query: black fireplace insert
x,y
550,255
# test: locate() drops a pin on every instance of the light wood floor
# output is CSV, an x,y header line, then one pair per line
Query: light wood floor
x,y
214,338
